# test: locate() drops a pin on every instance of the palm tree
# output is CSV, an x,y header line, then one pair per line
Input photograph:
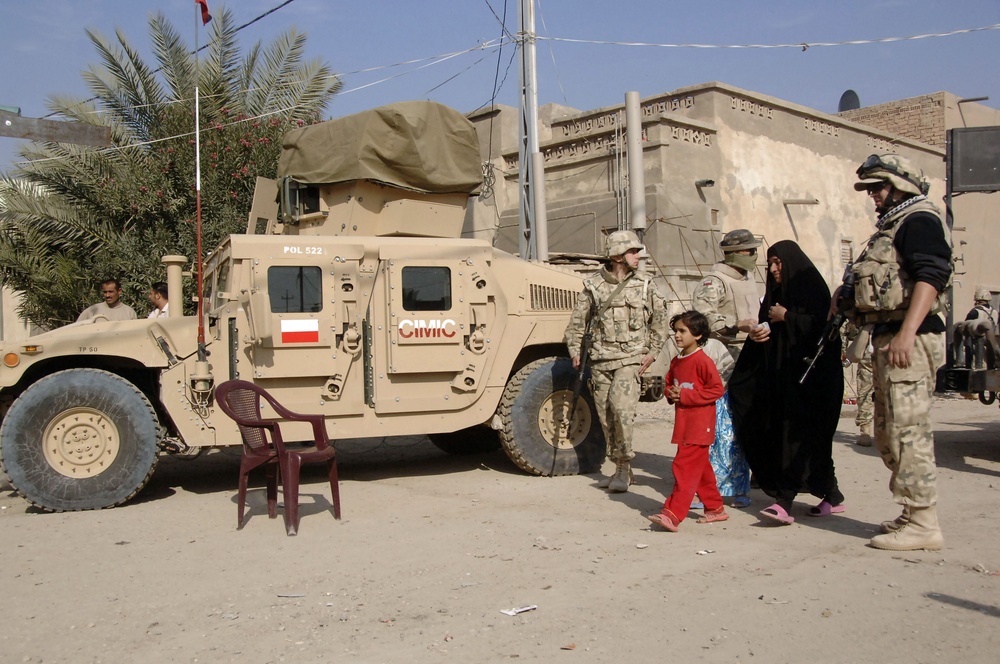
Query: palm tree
x,y
72,215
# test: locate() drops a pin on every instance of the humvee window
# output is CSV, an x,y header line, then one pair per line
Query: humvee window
x,y
295,289
426,288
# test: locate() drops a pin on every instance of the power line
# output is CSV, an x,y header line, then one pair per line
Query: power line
x,y
801,45
501,21
159,69
552,55
433,60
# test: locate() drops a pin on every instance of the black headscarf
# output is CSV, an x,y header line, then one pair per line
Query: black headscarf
x,y
804,293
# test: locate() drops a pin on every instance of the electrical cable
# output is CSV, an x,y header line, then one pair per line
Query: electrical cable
x,y
552,55
159,69
801,45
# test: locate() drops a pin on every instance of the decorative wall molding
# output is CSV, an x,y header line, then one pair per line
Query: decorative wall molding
x,y
821,127
752,107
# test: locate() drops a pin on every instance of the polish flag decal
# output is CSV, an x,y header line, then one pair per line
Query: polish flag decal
x,y
299,331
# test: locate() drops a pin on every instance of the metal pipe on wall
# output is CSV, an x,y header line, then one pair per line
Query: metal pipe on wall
x,y
636,176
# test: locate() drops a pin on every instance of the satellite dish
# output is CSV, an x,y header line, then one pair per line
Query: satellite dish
x,y
848,101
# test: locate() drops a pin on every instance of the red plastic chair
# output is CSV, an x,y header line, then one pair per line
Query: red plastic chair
x,y
240,400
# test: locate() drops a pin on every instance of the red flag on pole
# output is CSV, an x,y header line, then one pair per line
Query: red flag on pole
x,y
205,16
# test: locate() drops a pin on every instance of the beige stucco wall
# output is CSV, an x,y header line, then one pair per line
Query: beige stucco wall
x,y
782,170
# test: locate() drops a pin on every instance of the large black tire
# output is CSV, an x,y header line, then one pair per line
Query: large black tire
x,y
474,440
79,439
533,412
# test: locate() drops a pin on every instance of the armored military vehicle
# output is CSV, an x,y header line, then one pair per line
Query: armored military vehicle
x,y
350,295
973,361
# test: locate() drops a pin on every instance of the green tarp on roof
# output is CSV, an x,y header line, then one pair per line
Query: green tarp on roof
x,y
417,145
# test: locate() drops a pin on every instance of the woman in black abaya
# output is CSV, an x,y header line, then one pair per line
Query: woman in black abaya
x,y
786,429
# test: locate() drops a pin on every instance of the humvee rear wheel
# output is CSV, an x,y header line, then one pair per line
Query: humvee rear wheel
x,y
79,439
474,440
534,413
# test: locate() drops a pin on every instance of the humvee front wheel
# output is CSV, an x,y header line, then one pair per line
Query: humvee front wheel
x,y
79,439
535,432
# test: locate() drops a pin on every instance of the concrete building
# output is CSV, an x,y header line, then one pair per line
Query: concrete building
x,y
715,158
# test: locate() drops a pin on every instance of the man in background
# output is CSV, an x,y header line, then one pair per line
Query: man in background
x,y
158,298
112,308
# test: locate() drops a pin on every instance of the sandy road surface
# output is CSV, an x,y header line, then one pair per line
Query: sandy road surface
x,y
432,548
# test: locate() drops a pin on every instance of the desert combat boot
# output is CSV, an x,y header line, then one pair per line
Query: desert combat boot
x,y
920,532
897,523
620,479
605,482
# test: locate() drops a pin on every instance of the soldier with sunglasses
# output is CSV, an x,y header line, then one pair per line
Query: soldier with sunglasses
x,y
901,280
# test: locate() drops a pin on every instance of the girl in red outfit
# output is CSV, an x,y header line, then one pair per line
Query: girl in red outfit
x,y
693,386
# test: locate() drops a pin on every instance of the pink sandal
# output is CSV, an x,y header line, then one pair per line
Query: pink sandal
x,y
826,509
777,513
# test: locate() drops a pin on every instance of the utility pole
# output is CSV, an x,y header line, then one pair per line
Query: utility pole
x,y
529,132
12,125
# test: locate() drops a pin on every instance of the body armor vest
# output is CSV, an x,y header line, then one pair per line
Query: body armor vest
x,y
882,288
621,331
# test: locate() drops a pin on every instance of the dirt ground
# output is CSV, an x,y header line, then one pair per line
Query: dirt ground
x,y
432,548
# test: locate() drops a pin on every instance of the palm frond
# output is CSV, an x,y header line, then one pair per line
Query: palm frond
x,y
174,57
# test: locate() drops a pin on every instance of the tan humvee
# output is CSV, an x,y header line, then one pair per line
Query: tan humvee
x,y
352,297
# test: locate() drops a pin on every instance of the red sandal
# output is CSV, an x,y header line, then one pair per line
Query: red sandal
x,y
665,519
713,516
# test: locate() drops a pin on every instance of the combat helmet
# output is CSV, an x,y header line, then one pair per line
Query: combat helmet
x,y
738,240
982,294
894,169
621,241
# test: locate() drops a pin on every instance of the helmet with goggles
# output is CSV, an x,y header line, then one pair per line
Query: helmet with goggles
x,y
894,169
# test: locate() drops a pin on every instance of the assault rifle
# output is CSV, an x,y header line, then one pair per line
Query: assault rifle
x,y
831,332
585,343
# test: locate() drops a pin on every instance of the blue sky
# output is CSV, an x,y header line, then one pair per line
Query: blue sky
x,y
45,48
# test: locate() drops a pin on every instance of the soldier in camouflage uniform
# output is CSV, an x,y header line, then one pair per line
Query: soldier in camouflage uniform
x,y
865,388
866,407
729,295
982,309
900,281
628,333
